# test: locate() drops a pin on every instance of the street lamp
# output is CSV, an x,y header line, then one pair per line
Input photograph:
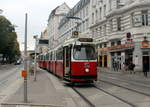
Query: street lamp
x,y
35,63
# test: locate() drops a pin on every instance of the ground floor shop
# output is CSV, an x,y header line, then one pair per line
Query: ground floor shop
x,y
103,57
117,57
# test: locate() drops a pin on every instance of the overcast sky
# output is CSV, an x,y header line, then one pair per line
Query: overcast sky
x,y
38,12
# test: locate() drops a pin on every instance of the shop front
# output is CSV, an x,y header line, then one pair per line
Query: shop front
x,y
145,47
103,57
121,55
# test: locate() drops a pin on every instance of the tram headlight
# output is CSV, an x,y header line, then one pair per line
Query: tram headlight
x,y
87,70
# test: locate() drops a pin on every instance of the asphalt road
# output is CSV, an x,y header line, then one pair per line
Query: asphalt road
x,y
9,78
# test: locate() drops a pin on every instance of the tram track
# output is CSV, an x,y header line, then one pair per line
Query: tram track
x,y
83,97
91,104
114,95
121,99
127,88
127,77
127,81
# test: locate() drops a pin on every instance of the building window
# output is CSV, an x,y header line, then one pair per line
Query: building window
x,y
105,44
119,23
111,25
104,30
145,18
96,16
100,31
100,13
118,3
119,42
96,32
87,23
83,12
110,5
104,10
132,19
135,20
92,18
83,26
112,43
87,11
100,45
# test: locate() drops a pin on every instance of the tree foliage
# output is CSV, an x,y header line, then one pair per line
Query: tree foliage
x,y
9,45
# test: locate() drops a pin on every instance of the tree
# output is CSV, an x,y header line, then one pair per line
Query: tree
x,y
9,46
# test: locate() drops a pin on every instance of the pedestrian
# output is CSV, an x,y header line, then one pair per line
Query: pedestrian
x,y
125,67
145,67
32,67
131,67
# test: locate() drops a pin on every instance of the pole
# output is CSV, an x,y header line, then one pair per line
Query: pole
x,y
25,60
35,64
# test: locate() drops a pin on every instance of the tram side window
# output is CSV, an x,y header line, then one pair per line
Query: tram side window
x,y
68,56
59,55
41,57
51,56
47,56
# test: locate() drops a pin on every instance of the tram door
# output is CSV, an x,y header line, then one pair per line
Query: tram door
x,y
67,61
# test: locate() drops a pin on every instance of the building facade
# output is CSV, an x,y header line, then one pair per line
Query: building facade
x,y
120,27
78,19
43,49
53,22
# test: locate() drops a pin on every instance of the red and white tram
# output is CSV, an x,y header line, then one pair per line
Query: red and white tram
x,y
74,61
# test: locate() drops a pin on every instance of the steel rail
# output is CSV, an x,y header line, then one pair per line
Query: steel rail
x,y
84,98
115,97
133,90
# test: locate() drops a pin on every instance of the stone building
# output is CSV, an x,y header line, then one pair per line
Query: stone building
x,y
78,19
43,49
53,22
120,28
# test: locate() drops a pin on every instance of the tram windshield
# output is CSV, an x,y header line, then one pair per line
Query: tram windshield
x,y
84,52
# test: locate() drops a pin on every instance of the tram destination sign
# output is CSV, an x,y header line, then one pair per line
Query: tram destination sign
x,y
85,39
43,42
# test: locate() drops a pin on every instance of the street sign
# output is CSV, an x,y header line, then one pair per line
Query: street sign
x,y
43,42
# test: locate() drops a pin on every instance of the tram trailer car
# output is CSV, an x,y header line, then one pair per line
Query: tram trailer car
x,y
40,61
75,61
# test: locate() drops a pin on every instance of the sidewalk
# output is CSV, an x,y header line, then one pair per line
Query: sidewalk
x,y
47,91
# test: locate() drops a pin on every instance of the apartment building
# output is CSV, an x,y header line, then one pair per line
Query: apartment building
x,y
77,19
53,22
43,49
120,28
